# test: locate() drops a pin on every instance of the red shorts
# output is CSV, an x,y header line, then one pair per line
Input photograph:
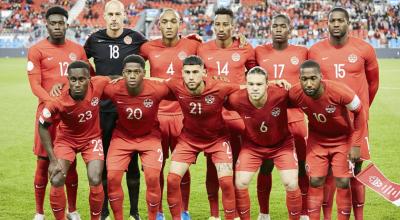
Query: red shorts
x,y
38,148
186,152
171,127
319,158
299,131
365,155
251,156
92,150
120,152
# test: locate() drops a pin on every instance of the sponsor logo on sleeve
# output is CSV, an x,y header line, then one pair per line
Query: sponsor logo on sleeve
x,y
95,101
30,66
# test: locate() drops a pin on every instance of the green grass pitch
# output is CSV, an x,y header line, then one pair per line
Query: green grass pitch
x,y
17,162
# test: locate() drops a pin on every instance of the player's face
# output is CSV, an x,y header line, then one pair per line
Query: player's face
x,y
57,26
133,74
338,24
280,30
193,76
310,80
223,27
169,25
114,16
78,82
256,85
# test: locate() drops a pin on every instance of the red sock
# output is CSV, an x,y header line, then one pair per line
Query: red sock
x,y
243,203
153,192
96,198
343,202
58,202
329,194
116,193
228,196
71,184
358,198
294,204
160,208
212,187
314,202
303,184
174,196
40,183
264,185
185,189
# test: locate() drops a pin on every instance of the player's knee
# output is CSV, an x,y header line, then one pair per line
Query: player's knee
x,y
317,181
173,181
343,183
58,180
241,183
95,179
152,180
290,184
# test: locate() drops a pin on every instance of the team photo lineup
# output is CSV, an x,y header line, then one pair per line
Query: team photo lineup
x,y
146,108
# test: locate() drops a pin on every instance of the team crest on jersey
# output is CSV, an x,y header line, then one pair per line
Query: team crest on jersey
x,y
148,103
235,57
330,109
29,66
209,99
95,101
72,56
352,58
294,60
276,112
127,40
182,55
46,113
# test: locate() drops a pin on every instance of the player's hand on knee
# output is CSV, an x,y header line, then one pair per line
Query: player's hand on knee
x,y
55,168
56,89
354,154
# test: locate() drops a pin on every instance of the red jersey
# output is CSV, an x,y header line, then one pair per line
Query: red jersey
x,y
166,62
354,64
203,120
230,62
79,119
329,121
48,63
137,115
266,126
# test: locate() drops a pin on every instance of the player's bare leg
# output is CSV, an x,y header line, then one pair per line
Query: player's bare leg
x,y
96,195
329,194
315,197
343,198
264,185
225,179
358,193
58,199
174,195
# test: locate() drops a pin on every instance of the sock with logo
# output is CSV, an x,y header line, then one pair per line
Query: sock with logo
x,y
40,183
71,184
153,192
96,198
174,196
358,198
58,202
314,202
343,202
185,189
329,194
264,185
228,196
294,204
212,187
243,203
115,193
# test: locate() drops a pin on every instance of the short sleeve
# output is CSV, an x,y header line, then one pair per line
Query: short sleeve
x,y
88,47
144,51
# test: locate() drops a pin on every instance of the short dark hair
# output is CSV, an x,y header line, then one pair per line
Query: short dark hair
x,y
258,70
283,17
134,59
58,10
193,60
310,64
340,9
79,64
224,11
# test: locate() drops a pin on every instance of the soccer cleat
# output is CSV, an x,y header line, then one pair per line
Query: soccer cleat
x,y
185,215
263,216
214,218
160,216
304,217
38,217
237,218
135,217
107,217
73,216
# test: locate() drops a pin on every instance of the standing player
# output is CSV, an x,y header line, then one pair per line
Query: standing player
x,y
203,130
78,131
48,61
336,123
165,56
137,130
109,47
225,57
351,61
263,109
282,61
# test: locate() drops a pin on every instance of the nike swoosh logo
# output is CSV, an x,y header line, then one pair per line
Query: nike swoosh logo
x,y
304,107
171,206
294,213
39,186
360,205
229,211
157,56
181,97
153,205
312,210
120,102
244,212
74,185
210,58
100,41
114,199
246,117
68,113
50,58
324,58
57,210
265,60
345,213
96,213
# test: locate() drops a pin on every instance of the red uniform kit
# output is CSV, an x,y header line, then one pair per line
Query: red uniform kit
x,y
332,131
203,130
137,130
266,137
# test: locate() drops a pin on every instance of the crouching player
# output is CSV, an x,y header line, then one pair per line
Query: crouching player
x,y
79,131
336,121
137,130
264,111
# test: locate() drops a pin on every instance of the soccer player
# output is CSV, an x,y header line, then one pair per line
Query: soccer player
x,y
204,129
78,131
351,61
165,56
225,57
263,109
47,65
137,130
336,123
109,47
282,61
